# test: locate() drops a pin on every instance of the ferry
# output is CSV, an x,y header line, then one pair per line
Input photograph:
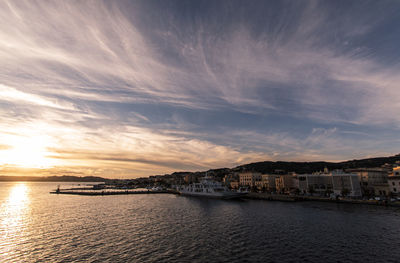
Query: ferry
x,y
210,188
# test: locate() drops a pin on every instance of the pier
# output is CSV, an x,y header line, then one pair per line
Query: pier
x,y
107,192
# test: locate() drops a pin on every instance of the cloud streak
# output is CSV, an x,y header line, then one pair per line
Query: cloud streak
x,y
135,88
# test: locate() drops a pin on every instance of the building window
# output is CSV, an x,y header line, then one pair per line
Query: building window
x,y
394,190
393,183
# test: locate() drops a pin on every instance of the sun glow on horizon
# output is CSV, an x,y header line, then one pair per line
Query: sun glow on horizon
x,y
28,152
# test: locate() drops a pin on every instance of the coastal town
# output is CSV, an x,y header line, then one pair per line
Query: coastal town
x,y
375,185
374,181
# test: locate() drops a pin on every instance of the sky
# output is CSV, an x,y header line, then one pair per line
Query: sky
x,y
124,89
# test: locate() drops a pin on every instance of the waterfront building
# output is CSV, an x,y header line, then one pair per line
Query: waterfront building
x,y
190,178
232,177
371,178
234,184
347,184
336,182
249,178
285,183
170,181
315,183
394,184
381,189
268,182
258,183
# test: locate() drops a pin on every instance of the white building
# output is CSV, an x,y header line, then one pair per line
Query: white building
x,y
336,182
315,183
346,184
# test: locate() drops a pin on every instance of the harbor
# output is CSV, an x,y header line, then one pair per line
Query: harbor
x,y
87,191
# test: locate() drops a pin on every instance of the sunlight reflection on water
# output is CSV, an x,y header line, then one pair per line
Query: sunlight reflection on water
x,y
38,227
13,218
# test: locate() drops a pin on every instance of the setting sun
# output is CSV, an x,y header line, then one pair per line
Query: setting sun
x,y
30,152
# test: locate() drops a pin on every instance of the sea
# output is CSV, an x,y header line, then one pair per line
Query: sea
x,y
36,226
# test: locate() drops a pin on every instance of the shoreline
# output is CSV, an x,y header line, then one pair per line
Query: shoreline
x,y
300,198
252,196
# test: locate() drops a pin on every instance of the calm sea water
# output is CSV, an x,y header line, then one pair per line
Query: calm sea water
x,y
38,227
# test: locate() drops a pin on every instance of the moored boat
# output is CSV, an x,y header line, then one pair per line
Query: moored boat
x,y
209,188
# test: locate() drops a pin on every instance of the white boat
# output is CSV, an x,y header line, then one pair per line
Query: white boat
x,y
209,188
157,189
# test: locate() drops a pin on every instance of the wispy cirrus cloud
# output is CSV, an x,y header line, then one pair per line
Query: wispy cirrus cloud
x,y
235,68
136,88
14,95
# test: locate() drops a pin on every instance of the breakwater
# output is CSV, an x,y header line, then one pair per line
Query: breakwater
x,y
105,192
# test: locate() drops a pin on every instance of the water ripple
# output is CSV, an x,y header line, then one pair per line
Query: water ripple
x,y
38,227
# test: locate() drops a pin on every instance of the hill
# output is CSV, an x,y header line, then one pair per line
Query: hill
x,y
310,167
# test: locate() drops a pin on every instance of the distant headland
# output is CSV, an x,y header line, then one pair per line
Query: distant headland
x,y
63,178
